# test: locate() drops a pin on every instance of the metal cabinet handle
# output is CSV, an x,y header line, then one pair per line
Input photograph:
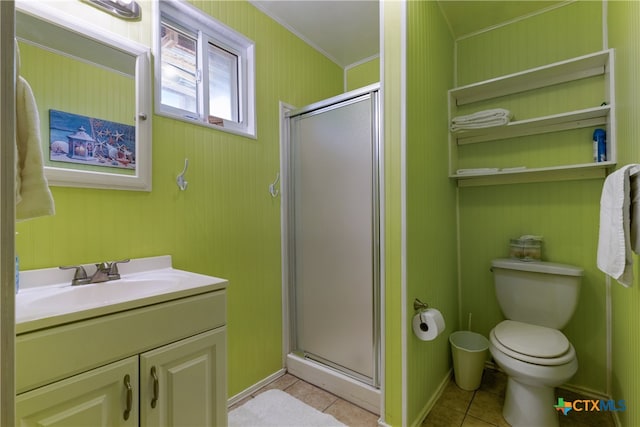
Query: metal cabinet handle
x,y
156,386
127,385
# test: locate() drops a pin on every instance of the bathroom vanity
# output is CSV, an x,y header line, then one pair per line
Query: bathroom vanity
x,y
148,349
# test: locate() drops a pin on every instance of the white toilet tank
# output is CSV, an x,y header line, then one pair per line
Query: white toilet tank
x,y
541,293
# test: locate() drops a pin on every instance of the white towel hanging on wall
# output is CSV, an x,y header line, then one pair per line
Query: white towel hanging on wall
x,y
619,224
32,194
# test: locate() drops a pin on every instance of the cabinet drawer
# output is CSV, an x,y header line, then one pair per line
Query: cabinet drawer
x,y
46,356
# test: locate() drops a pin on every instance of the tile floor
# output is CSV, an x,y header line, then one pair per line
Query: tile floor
x,y
483,407
455,408
345,412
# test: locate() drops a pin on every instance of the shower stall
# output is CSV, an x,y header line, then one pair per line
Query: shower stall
x,y
332,245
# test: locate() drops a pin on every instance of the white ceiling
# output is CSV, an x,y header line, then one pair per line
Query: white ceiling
x,y
347,31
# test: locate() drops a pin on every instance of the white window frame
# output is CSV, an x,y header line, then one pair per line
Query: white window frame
x,y
208,30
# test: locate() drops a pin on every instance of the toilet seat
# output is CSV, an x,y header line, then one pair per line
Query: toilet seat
x,y
532,343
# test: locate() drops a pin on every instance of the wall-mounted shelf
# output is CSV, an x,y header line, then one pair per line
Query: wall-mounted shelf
x,y
552,76
555,173
590,117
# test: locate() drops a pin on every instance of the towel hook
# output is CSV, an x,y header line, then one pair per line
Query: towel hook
x,y
272,187
182,184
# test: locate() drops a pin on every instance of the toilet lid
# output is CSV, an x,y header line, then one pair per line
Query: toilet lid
x,y
531,340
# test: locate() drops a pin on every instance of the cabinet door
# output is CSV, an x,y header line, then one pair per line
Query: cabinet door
x,y
184,383
106,396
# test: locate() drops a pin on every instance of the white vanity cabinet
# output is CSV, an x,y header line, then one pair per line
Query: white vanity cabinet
x,y
97,398
155,365
177,386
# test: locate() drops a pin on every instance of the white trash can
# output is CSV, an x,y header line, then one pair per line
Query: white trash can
x,y
469,351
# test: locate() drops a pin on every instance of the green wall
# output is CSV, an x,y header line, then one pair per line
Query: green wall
x,y
394,387
420,220
565,213
363,74
226,224
624,34
431,202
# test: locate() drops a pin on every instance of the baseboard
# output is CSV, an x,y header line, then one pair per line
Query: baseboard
x,y
257,386
585,391
432,402
360,394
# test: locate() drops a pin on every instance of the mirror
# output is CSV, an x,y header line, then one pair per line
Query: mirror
x,y
93,91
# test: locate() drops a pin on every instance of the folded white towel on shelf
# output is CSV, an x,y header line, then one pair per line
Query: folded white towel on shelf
x,y
476,171
482,119
618,225
33,198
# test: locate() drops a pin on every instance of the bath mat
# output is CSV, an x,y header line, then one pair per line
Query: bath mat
x,y
275,408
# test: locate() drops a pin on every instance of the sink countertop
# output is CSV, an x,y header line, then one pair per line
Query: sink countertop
x,y
47,299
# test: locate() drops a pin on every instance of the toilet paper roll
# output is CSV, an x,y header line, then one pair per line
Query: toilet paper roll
x,y
428,324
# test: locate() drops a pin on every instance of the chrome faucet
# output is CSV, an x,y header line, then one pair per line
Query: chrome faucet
x,y
101,274
105,272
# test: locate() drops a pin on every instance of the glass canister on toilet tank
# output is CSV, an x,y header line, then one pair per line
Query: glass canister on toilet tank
x,y
526,248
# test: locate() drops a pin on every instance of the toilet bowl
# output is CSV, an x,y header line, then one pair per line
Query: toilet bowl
x,y
532,378
538,299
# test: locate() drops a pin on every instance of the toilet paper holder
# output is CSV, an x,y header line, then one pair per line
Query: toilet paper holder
x,y
419,305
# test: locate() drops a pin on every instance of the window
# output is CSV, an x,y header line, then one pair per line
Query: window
x,y
204,70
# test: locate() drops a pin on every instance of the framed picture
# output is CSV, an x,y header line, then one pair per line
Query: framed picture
x,y
78,139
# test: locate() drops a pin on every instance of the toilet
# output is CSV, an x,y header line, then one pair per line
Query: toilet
x,y
537,299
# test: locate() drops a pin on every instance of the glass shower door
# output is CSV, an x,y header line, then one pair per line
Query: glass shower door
x,y
335,235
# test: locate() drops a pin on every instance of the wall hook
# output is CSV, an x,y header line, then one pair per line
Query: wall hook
x,y
272,187
182,184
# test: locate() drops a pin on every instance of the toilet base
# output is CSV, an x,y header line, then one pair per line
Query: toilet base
x,y
527,405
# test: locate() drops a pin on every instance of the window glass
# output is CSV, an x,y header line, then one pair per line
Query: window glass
x,y
179,69
205,71
223,83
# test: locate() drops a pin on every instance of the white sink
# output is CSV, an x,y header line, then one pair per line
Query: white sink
x,y
48,298
101,293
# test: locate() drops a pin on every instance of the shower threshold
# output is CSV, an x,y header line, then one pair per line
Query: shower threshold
x,y
333,381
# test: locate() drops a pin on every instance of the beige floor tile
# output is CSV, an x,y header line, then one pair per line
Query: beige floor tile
x,y
311,395
494,382
352,415
587,419
571,422
455,398
484,407
470,421
282,383
441,416
488,407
